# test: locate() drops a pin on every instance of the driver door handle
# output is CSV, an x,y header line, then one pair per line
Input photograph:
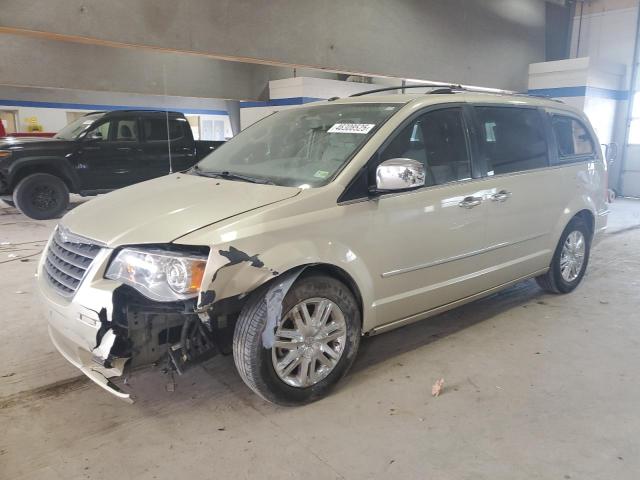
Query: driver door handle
x,y
501,196
470,202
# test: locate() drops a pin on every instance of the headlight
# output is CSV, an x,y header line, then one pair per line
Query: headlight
x,y
159,275
5,153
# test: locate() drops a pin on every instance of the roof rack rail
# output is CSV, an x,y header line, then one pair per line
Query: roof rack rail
x,y
439,86
443,88
557,100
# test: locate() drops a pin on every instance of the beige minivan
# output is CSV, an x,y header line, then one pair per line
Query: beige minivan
x,y
320,224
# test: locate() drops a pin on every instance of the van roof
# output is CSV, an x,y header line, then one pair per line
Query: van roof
x,y
459,96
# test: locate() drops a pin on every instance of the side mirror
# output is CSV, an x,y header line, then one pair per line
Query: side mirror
x,y
93,136
399,174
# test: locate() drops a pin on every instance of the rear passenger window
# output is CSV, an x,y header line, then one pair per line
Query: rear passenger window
x,y
155,129
436,139
511,139
572,137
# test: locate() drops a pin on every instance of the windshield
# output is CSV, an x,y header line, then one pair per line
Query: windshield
x,y
301,147
75,128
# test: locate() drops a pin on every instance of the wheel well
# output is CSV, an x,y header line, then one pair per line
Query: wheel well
x,y
588,218
31,169
339,274
344,277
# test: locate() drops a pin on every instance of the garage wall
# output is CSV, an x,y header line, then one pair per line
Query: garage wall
x,y
607,32
39,62
481,42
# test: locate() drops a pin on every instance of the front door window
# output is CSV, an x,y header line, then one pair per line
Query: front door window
x,y
100,132
436,139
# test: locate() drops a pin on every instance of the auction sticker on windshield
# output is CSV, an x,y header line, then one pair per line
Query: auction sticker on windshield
x,y
362,128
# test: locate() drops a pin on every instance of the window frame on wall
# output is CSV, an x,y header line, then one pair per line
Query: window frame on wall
x,y
194,125
14,115
73,115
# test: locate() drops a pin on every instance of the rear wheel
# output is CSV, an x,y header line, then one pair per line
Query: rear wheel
x,y
41,196
7,199
570,259
309,349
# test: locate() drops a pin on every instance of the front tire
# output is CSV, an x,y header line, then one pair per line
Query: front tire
x,y
41,196
570,259
311,347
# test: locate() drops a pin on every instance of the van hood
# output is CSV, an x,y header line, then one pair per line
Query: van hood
x,y
164,209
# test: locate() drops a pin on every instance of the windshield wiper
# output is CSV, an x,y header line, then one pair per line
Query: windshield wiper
x,y
232,176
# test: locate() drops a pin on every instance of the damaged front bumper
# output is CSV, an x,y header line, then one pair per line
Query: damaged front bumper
x,y
75,323
107,329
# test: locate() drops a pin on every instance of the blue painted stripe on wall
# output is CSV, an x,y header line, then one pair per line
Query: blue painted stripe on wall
x,y
607,93
581,91
281,102
86,106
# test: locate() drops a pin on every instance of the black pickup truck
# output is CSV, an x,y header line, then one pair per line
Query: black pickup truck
x,y
97,153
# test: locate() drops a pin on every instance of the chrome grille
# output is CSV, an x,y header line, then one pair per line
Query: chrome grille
x,y
67,260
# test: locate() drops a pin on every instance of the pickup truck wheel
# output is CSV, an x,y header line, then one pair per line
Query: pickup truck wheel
x,y
311,347
570,259
41,196
8,199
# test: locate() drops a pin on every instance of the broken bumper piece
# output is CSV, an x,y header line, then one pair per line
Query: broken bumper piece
x,y
84,361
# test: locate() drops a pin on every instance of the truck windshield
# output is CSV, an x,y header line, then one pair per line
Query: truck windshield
x,y
73,130
302,147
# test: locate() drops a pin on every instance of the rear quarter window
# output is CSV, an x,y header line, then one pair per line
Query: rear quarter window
x,y
572,138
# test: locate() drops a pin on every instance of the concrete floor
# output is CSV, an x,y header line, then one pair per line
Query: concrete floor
x,y
536,386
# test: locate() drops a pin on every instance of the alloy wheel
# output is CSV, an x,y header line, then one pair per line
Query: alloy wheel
x,y
309,342
572,256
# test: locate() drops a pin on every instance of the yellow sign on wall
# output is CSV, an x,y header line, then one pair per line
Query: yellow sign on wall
x,y
33,125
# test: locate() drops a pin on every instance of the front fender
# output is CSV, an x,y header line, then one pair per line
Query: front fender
x,y
46,163
236,269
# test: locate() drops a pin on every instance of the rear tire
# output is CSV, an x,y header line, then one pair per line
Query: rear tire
x,y
7,199
570,260
41,196
257,362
